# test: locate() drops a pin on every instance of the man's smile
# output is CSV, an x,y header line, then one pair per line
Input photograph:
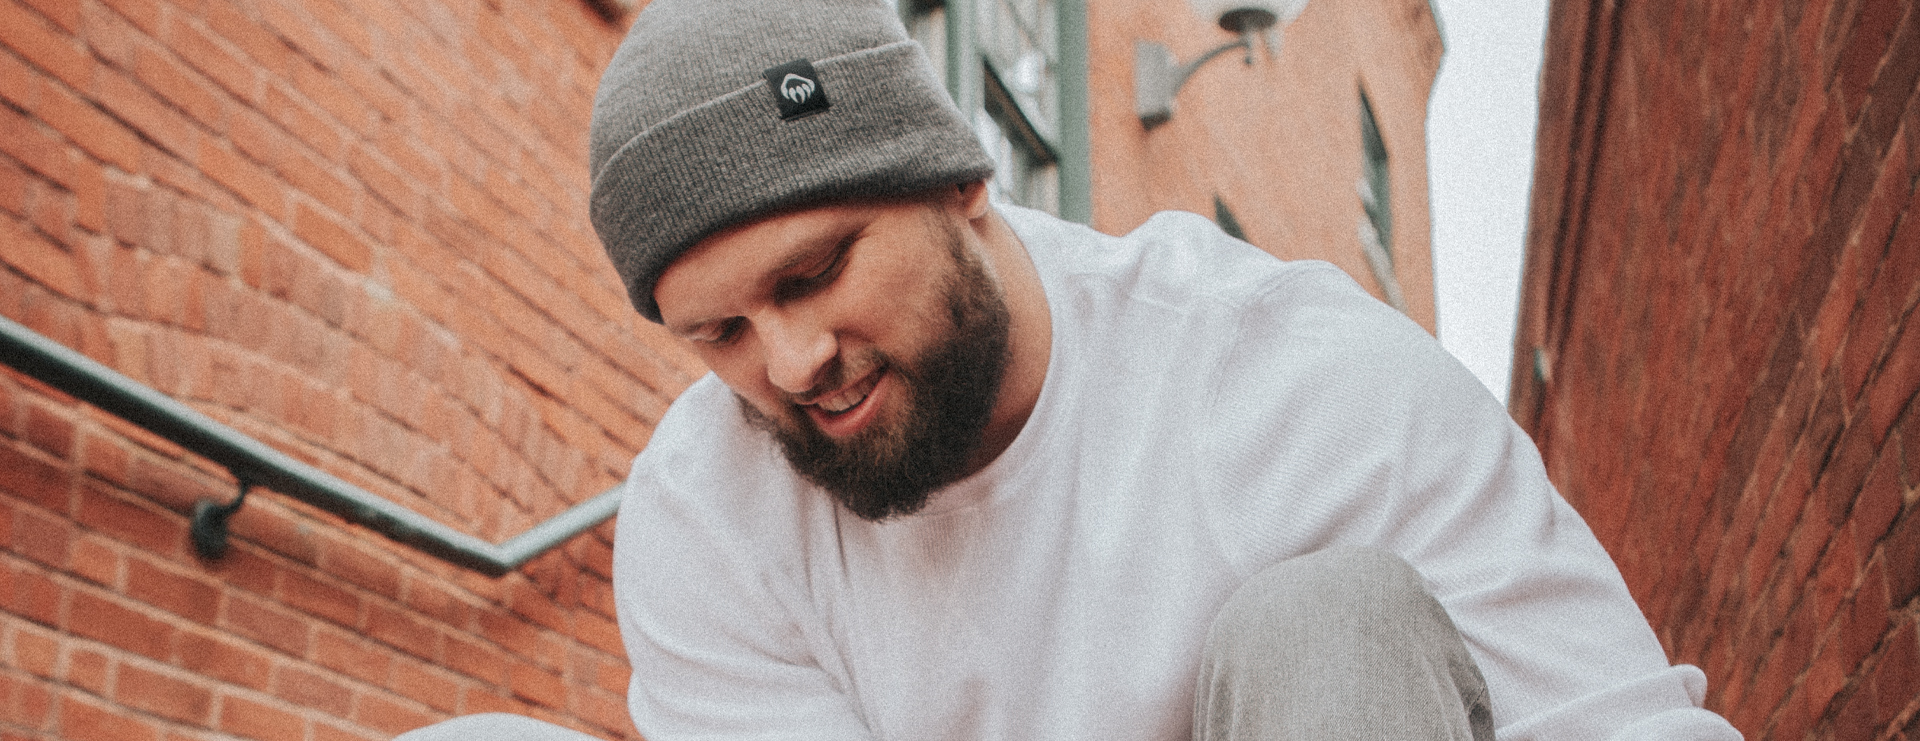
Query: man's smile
x,y
849,396
846,411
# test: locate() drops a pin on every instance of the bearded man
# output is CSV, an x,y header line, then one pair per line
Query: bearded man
x,y
966,471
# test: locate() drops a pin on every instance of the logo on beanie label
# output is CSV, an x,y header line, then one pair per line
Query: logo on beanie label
x,y
796,89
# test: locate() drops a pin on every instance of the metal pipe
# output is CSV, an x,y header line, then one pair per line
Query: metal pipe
x,y
257,464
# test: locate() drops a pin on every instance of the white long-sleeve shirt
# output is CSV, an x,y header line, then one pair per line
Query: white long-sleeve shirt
x,y
1208,410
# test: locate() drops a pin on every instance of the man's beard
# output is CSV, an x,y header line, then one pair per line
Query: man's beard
x,y
893,466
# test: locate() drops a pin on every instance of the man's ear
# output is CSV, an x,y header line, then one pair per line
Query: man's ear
x,y
972,199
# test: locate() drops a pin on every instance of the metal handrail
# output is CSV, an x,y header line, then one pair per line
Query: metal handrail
x,y
254,463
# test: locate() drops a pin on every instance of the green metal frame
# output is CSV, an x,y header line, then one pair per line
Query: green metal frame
x,y
1071,147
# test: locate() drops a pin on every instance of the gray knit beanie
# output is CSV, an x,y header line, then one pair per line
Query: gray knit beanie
x,y
714,112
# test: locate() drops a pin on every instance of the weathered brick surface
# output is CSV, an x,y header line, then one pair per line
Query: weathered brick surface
x,y
1278,141
355,229
1723,266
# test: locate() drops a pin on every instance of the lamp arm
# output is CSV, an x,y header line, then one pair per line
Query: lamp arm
x,y
1187,70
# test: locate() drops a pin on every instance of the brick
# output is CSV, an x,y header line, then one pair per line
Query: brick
x,y
536,685
115,624
109,35
63,15
206,52
89,127
304,122
386,182
1854,718
435,599
598,632
269,625
275,528
350,561
171,486
131,102
388,716
528,602
613,676
1896,675
32,480
483,701
1902,547
253,39
106,511
105,459
327,92
476,659
313,690
49,431
319,598
225,660
326,732
1896,383
43,44
244,567
34,653
19,83
83,719
608,712
249,718
31,594
352,655
403,631
192,598
96,561
146,14
89,669
42,261
163,694
318,180
244,178
88,188
421,683
45,539
388,101
165,75
24,702
325,233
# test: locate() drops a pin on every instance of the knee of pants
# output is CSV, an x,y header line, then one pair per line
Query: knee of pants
x,y
1334,586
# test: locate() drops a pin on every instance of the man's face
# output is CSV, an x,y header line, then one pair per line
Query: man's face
x,y
867,338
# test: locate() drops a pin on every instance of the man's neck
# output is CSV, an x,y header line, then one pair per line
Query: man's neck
x,y
1029,336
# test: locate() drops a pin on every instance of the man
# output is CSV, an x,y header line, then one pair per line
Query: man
x,y
964,471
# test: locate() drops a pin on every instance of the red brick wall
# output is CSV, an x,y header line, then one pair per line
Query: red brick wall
x,y
1723,267
356,230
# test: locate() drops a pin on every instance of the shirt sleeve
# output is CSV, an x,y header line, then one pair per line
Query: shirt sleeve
x,y
1345,423
709,616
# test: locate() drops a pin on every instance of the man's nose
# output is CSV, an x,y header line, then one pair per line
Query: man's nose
x,y
797,351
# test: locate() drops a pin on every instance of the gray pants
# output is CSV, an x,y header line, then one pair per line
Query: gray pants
x,y
1343,643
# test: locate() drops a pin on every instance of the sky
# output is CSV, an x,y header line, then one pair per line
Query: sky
x,y
1480,124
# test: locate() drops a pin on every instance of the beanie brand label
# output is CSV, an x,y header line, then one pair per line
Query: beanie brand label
x,y
796,89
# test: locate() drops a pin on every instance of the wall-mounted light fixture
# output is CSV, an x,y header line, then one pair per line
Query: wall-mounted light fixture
x,y
1157,76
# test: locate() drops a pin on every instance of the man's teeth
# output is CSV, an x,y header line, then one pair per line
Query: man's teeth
x,y
842,402
849,398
